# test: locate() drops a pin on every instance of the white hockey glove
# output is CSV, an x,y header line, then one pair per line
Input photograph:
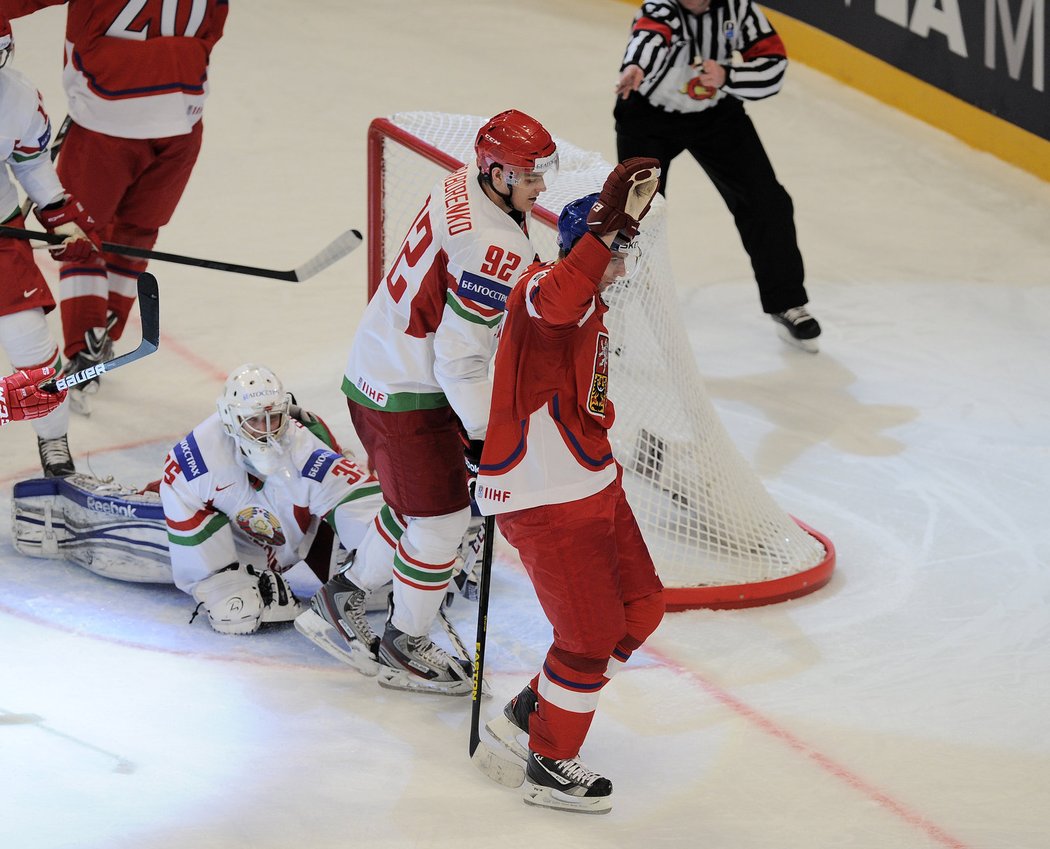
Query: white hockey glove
x,y
238,599
468,561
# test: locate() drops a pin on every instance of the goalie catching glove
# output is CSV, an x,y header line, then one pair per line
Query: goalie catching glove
x,y
67,217
240,598
625,198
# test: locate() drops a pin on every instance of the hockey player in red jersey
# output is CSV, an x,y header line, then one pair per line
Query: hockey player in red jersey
x,y
417,385
548,473
25,298
136,77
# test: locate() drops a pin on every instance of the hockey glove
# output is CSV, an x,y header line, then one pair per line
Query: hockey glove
x,y
472,457
67,217
22,398
626,197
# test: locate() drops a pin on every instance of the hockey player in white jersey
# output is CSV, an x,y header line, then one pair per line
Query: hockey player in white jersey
x,y
244,494
25,299
417,385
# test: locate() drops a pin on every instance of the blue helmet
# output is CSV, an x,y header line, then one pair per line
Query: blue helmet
x,y
572,223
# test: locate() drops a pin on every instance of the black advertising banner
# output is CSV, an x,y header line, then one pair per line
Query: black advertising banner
x,y
989,53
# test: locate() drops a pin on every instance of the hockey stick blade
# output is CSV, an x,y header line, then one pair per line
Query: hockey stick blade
x,y
340,247
336,250
498,768
149,312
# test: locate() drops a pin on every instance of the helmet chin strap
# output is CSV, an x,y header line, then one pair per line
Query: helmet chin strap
x,y
507,198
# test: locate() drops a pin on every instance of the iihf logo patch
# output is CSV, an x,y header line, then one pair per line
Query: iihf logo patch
x,y
261,526
600,380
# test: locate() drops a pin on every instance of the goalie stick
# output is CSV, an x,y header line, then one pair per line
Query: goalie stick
x,y
499,769
149,312
334,251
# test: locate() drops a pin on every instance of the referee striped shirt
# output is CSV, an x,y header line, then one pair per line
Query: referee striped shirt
x,y
667,42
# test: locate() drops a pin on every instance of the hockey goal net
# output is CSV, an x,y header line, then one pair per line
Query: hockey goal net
x,y
717,537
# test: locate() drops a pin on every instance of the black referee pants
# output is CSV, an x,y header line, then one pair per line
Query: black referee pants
x,y
724,141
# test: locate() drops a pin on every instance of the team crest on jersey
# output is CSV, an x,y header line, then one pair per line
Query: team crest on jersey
x,y
600,380
483,290
261,525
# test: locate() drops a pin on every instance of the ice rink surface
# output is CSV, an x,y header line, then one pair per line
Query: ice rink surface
x,y
904,706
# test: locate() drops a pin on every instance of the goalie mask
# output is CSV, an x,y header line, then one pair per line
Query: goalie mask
x,y
7,41
253,408
519,145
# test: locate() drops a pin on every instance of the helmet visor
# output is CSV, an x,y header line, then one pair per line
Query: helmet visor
x,y
544,170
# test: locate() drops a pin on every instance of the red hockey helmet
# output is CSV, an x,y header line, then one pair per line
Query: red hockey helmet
x,y
518,144
7,41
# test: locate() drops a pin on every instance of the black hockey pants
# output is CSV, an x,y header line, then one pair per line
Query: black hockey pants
x,y
724,141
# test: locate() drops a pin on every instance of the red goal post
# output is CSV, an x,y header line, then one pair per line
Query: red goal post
x,y
717,537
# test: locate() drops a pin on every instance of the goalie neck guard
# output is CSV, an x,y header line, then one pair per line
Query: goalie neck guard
x,y
253,408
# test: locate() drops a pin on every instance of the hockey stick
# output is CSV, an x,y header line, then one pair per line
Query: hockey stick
x,y
149,312
499,769
336,250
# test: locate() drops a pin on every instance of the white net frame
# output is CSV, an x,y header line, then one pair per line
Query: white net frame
x,y
717,537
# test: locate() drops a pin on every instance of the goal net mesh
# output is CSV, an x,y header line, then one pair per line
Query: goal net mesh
x,y
717,537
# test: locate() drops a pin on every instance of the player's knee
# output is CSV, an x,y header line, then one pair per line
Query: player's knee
x,y
643,615
438,533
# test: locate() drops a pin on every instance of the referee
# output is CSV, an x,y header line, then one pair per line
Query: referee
x,y
687,69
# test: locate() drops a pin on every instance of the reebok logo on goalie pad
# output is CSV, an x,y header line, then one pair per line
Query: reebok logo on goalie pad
x,y
110,508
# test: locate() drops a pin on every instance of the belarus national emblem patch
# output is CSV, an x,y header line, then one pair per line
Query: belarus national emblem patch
x,y
261,525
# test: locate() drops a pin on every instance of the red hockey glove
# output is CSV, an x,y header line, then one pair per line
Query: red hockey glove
x,y
626,196
67,217
22,398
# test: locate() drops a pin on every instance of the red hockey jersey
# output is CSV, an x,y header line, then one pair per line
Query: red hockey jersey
x,y
135,68
547,440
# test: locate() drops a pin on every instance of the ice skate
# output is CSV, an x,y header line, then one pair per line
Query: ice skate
x,y
797,327
98,349
420,665
336,622
565,785
514,722
55,459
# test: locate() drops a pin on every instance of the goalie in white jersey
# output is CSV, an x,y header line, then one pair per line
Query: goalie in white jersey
x,y
254,501
244,495
418,389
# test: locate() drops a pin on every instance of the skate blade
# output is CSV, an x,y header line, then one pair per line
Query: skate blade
x,y
497,768
324,636
811,346
547,797
506,734
399,679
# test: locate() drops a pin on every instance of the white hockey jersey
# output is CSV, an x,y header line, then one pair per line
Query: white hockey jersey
x,y
428,334
217,513
25,133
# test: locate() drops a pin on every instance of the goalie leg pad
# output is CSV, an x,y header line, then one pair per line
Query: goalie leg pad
x,y
109,529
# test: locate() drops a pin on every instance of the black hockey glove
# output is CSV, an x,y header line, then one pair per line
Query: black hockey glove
x,y
472,457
